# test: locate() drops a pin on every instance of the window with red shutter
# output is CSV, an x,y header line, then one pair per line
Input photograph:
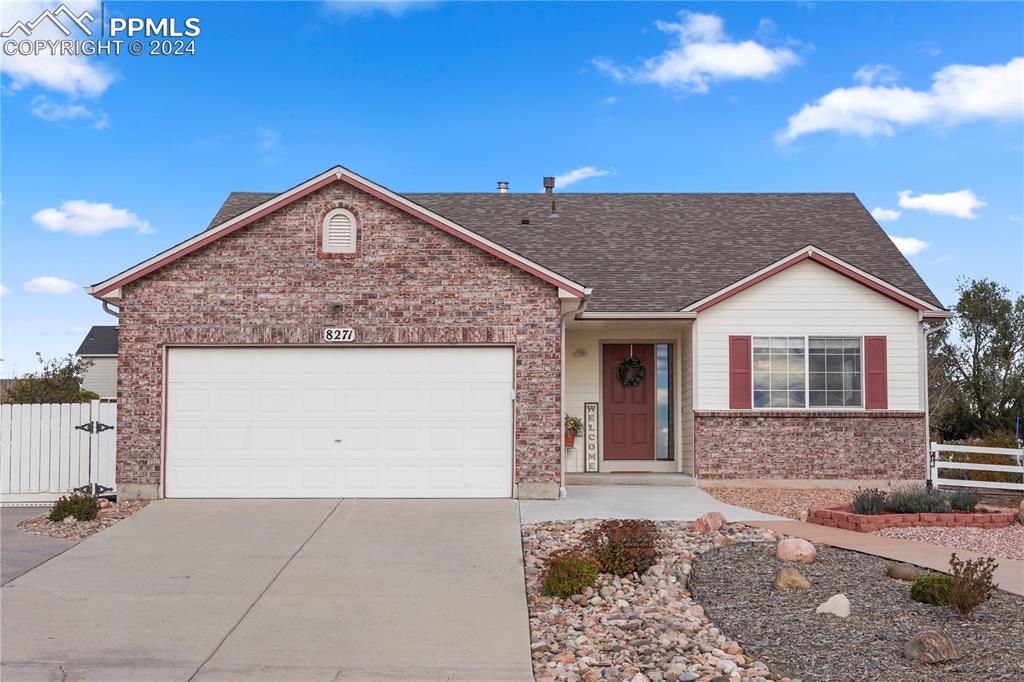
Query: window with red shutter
x,y
876,382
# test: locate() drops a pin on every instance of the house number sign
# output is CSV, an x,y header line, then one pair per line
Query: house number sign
x,y
339,334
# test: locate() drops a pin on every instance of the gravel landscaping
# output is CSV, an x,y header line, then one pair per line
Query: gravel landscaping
x,y
70,529
645,628
788,502
1007,543
782,629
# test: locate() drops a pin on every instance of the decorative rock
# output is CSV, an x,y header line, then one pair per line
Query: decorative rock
x,y
836,605
795,549
564,657
790,579
802,515
104,503
930,646
901,571
69,520
1020,513
709,523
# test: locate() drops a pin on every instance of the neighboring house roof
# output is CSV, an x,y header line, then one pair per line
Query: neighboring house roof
x,y
101,340
109,289
666,252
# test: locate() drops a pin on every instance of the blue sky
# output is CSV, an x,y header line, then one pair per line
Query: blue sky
x,y
108,160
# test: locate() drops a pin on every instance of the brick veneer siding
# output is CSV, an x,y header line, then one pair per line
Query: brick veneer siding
x,y
870,444
410,283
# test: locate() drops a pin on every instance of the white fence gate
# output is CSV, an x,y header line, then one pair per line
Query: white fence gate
x,y
1014,465
48,450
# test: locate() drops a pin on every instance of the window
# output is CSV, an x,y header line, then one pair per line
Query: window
x,y
834,371
339,232
663,401
779,371
815,371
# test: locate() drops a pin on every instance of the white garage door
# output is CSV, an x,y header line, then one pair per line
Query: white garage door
x,y
339,422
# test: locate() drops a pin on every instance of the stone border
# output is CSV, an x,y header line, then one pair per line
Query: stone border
x,y
842,517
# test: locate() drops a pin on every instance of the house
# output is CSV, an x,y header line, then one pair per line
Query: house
x,y
100,348
341,339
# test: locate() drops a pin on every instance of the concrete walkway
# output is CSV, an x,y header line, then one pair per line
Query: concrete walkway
x,y
20,551
279,589
1009,575
659,503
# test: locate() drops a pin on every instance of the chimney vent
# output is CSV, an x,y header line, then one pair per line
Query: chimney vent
x,y
549,184
502,186
554,213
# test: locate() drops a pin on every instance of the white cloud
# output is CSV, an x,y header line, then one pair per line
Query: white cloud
x,y
268,138
73,75
4,290
959,204
869,74
574,176
882,214
703,54
49,285
959,93
394,8
909,246
47,110
941,259
88,218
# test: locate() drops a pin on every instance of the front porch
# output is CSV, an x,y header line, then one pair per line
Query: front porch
x,y
631,432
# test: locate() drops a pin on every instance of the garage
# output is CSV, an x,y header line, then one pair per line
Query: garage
x,y
339,421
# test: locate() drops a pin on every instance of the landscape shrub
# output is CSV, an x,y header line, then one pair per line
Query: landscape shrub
x,y
962,500
82,507
871,501
971,585
932,589
623,546
917,499
569,573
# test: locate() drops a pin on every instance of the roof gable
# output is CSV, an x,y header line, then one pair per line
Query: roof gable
x,y
111,286
101,340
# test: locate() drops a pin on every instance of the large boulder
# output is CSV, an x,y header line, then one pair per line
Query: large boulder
x,y
790,579
709,523
902,571
836,605
930,646
795,549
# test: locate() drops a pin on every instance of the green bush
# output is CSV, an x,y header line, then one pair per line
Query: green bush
x,y
623,546
568,573
871,501
972,584
82,507
917,499
962,500
932,589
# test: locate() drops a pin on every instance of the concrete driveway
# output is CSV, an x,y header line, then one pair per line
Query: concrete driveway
x,y
21,551
279,589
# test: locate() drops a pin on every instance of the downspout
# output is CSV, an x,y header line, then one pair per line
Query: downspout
x,y
928,331
562,492
108,311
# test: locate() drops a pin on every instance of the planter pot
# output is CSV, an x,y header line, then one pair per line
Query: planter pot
x,y
570,438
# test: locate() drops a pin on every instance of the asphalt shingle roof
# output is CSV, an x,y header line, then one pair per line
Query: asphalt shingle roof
x,y
101,340
662,252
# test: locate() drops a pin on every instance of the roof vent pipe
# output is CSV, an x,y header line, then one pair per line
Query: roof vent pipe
x,y
502,186
549,184
554,213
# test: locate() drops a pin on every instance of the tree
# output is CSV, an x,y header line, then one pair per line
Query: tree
x,y
58,381
976,376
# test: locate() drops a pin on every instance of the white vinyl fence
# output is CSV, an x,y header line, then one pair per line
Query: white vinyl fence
x,y
50,449
938,461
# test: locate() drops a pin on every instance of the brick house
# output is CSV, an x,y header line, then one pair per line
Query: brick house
x,y
340,339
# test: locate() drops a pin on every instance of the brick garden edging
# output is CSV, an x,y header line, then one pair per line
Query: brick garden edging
x,y
843,517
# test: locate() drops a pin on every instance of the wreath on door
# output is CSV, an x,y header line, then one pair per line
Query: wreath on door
x,y
632,371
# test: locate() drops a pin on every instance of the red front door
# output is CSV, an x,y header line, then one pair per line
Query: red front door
x,y
628,410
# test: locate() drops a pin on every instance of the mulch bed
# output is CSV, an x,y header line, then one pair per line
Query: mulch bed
x,y
733,583
79,530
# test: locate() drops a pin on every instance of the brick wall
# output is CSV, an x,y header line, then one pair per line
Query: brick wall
x,y
880,445
410,283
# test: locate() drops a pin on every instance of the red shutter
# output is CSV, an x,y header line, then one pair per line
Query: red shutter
x,y
876,381
739,373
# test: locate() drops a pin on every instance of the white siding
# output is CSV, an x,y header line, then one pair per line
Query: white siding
x,y
583,383
101,378
810,299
